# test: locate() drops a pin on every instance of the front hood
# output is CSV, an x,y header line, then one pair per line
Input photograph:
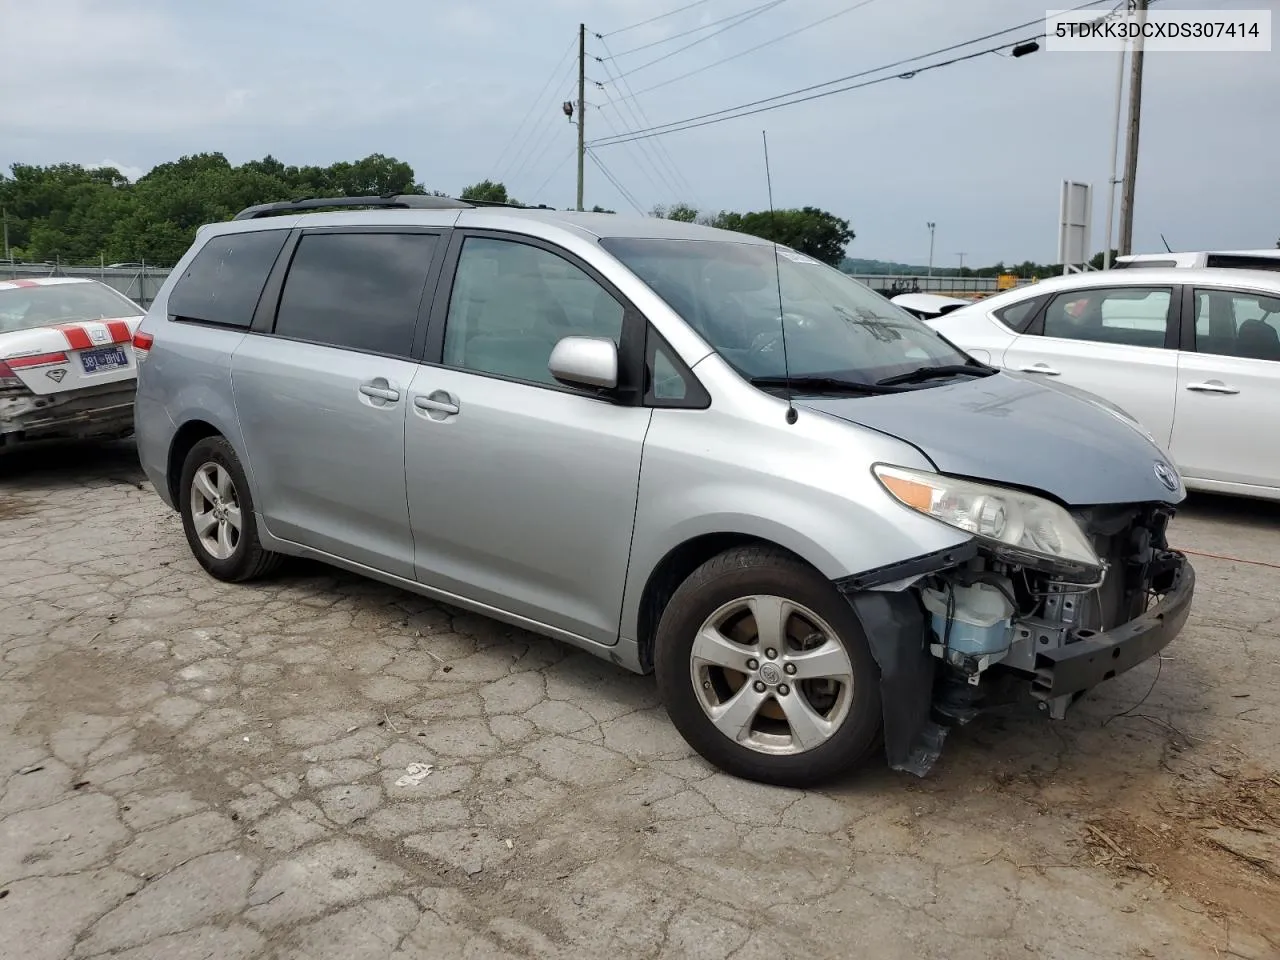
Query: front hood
x,y
1015,432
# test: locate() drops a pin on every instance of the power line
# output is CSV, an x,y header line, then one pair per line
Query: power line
x,y
684,33
661,16
554,170
641,118
526,148
747,15
533,155
636,157
626,194
692,122
758,46
497,164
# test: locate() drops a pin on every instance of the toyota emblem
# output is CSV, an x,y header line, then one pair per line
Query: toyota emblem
x,y
1165,474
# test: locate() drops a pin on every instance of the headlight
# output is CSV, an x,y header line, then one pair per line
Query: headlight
x,y
1018,525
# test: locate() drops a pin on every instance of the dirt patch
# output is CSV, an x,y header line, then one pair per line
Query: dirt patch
x,y
1215,838
12,508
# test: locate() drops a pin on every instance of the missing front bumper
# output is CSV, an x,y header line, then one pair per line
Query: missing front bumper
x,y
1091,659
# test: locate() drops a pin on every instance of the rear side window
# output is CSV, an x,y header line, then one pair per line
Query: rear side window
x,y
360,291
1130,264
224,281
1133,316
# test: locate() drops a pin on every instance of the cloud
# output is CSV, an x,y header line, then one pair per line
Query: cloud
x,y
128,170
980,147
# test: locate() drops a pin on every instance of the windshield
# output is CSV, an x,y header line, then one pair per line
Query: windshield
x,y
24,307
835,327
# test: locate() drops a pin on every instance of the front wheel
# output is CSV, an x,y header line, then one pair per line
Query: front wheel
x,y
217,514
765,670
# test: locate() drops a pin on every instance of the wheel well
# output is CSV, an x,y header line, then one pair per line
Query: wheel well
x,y
188,435
673,570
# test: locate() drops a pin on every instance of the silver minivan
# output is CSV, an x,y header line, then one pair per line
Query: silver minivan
x,y
826,529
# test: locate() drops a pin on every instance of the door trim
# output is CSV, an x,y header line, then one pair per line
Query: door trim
x,y
292,548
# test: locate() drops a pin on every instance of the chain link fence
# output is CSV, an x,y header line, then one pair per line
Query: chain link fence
x,y
140,282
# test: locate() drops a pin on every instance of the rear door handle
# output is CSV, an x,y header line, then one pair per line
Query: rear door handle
x,y
1043,368
437,402
390,394
1211,386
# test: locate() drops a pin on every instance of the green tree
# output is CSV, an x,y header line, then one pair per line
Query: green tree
x,y
677,211
487,191
70,213
1096,262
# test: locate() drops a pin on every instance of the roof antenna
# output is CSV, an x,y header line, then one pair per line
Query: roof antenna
x,y
777,273
1167,248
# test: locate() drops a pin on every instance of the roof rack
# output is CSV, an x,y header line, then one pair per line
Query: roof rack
x,y
399,201
505,203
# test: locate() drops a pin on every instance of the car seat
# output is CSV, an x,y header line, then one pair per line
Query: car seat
x,y
1258,340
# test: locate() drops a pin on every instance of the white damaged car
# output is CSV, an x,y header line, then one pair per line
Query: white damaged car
x,y
67,368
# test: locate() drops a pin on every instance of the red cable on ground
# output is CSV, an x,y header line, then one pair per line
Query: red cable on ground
x,y
1218,556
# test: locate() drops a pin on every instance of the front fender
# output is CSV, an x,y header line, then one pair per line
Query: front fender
x,y
807,487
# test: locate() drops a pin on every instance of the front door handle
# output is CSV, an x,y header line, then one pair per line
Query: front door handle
x,y
380,390
1043,368
438,401
1211,386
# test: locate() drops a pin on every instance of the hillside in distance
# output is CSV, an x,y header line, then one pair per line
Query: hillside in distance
x,y
881,267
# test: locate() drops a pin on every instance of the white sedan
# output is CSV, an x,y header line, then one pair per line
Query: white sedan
x,y
66,360
1193,354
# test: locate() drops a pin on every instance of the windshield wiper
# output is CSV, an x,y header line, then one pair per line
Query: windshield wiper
x,y
921,374
822,384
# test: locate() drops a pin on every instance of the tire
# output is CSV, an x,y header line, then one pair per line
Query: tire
x,y
727,591
234,558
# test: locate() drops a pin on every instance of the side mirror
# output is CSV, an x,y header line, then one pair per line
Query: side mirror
x,y
585,362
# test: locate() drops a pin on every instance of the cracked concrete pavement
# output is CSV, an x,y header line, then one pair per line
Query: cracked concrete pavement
x,y
192,769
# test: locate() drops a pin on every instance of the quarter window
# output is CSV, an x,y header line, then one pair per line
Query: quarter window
x,y
1233,323
512,302
360,291
222,284
1132,316
1016,316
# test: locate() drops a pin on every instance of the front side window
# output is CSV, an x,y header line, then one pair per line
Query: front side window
x,y
513,302
24,307
221,286
356,290
1131,316
1233,323
835,327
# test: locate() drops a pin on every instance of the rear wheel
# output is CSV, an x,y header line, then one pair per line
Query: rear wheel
x,y
217,514
765,670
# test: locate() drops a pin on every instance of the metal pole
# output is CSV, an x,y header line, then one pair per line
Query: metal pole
x,y
1131,150
961,256
1115,149
931,225
8,254
582,106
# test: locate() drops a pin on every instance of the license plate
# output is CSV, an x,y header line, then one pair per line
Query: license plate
x,y
107,358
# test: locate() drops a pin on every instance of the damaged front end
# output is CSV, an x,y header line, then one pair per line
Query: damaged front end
x,y
1043,602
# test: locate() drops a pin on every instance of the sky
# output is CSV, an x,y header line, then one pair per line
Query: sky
x,y
980,148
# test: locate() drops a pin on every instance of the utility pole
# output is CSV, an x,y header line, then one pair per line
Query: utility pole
x,y
582,106
961,256
1111,183
931,225
1131,149
4,215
